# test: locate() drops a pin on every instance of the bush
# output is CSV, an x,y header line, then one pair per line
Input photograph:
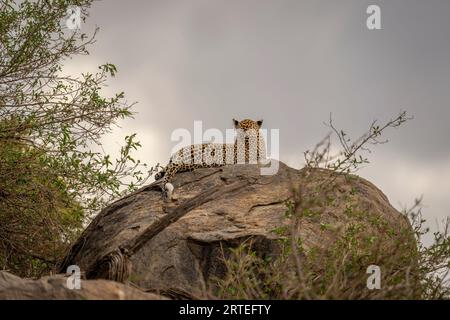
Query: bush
x,y
409,270
51,180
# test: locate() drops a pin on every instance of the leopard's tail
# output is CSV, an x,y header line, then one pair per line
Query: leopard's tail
x,y
159,175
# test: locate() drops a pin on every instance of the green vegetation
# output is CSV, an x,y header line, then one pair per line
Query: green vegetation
x,y
340,272
51,178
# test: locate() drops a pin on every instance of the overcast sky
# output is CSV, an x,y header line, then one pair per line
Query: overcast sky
x,y
291,63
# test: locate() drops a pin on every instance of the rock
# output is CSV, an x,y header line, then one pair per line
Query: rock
x,y
55,287
177,260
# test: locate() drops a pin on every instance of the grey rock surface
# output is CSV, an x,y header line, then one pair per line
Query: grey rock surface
x,y
55,288
190,251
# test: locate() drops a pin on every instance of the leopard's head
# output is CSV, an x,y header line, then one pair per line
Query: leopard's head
x,y
248,136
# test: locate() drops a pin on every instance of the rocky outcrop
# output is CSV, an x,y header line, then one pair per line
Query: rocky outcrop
x,y
55,288
174,247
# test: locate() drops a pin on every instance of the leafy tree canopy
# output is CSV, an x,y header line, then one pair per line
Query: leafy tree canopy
x,y
51,179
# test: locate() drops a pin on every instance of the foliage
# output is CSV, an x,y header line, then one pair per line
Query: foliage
x,y
38,216
339,272
51,124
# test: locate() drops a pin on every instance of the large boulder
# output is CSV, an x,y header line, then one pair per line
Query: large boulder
x,y
233,203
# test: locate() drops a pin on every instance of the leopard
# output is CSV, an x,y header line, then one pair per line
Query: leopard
x,y
248,148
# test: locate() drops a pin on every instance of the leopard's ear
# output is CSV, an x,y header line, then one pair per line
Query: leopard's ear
x,y
259,123
236,123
